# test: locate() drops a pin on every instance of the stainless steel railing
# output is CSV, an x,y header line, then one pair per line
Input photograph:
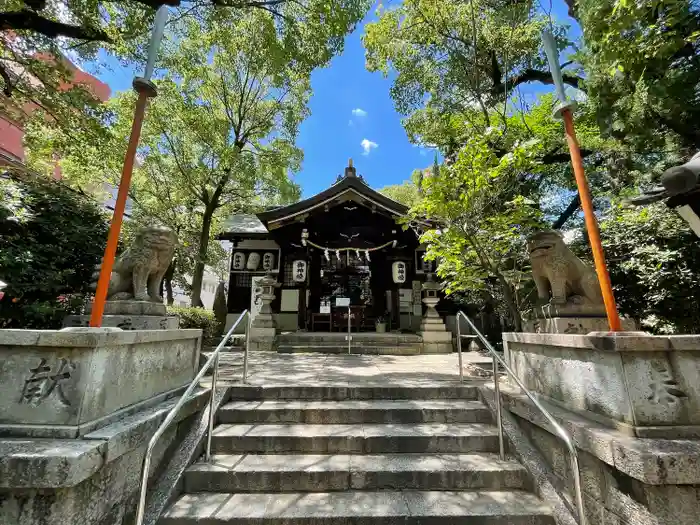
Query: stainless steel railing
x,y
212,361
563,434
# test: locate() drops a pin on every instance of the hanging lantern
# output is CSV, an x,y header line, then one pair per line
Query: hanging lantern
x,y
299,269
253,261
398,272
238,261
268,262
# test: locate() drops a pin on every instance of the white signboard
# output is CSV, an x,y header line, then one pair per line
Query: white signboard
x,y
342,301
255,292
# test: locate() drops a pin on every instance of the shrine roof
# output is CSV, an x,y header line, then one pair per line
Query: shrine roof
x,y
349,183
348,186
244,223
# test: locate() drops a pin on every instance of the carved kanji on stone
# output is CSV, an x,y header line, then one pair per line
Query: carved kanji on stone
x,y
43,382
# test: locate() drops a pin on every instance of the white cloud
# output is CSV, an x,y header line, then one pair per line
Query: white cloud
x,y
359,112
351,123
367,146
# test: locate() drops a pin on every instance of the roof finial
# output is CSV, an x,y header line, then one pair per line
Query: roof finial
x,y
350,170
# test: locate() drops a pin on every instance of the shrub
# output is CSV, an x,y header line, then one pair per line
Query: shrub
x,y
191,317
51,238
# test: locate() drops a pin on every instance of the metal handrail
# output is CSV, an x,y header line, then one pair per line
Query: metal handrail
x,y
563,434
213,360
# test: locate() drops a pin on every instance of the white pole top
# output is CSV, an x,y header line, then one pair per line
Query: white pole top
x,y
156,37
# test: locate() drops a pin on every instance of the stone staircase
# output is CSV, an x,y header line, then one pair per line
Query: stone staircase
x,y
370,343
356,455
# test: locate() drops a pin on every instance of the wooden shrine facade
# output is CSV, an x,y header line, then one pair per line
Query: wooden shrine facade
x,y
346,242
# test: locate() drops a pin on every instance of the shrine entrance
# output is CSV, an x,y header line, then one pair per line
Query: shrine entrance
x,y
346,247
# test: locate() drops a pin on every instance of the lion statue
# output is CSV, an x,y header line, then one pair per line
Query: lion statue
x,y
138,271
555,268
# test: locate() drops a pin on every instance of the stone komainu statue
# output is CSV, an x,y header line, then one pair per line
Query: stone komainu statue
x,y
138,271
555,268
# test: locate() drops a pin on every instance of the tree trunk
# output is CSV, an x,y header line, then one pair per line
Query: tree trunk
x,y
198,273
510,302
168,282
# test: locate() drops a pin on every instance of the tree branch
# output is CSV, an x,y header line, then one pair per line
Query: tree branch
x,y
567,213
7,90
27,19
534,75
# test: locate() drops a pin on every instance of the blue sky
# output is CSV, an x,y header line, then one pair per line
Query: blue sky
x,y
352,116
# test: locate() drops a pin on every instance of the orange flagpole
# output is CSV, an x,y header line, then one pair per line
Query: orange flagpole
x,y
591,223
145,89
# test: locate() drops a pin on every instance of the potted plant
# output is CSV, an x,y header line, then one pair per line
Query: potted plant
x,y
380,324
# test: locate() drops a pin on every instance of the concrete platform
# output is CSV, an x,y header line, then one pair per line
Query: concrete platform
x,y
269,368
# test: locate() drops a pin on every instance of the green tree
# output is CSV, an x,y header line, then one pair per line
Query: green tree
x,y
220,136
642,63
50,241
652,256
406,193
483,220
36,36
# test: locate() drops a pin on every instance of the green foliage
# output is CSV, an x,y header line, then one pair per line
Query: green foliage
x,y
642,63
200,318
51,238
652,256
483,219
405,193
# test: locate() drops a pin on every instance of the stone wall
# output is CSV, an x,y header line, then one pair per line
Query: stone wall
x,y
625,480
89,481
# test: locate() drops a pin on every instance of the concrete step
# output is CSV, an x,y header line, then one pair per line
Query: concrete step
x,y
468,390
316,472
360,508
355,439
382,339
356,411
356,349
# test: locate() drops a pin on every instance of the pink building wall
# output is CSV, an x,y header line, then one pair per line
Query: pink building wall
x,y
12,133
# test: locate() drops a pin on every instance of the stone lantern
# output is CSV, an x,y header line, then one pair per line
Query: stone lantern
x,y
436,338
263,328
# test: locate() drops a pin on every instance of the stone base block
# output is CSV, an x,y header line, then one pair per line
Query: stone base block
x,y
128,322
263,344
437,342
574,325
643,385
68,383
132,308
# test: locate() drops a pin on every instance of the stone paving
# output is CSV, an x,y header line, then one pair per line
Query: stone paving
x,y
348,370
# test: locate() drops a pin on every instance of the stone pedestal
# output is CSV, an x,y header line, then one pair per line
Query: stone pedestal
x,y
67,383
574,325
642,385
436,338
129,315
263,329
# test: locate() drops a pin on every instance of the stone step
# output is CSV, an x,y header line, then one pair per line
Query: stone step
x,y
356,411
360,508
366,337
356,349
468,390
355,439
316,472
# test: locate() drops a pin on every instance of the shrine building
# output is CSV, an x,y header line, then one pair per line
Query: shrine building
x,y
347,244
